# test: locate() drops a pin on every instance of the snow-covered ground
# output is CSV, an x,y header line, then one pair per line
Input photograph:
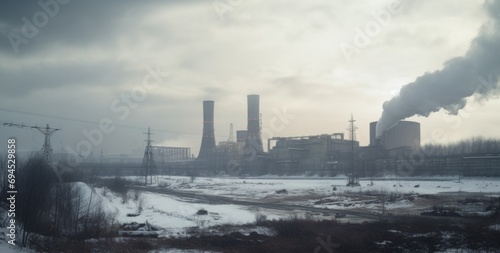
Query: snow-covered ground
x,y
179,251
170,214
261,187
7,248
174,216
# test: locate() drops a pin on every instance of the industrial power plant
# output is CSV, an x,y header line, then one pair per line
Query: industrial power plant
x,y
395,151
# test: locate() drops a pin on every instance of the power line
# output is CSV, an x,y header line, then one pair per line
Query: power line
x,y
47,132
96,123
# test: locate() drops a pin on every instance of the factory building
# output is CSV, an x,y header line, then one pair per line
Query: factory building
x,y
396,152
241,136
171,154
326,154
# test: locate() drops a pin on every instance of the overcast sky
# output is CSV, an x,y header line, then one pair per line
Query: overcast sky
x,y
83,58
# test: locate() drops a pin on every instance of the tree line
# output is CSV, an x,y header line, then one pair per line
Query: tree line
x,y
477,145
49,207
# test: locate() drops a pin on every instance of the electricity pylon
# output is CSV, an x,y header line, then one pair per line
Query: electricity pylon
x,y
148,168
47,132
353,177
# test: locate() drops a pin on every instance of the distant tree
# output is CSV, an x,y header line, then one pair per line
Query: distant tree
x,y
48,207
35,181
477,145
3,174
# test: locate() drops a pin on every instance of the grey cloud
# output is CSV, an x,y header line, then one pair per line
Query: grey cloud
x,y
77,23
24,80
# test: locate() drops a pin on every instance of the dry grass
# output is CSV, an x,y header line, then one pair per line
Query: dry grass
x,y
404,234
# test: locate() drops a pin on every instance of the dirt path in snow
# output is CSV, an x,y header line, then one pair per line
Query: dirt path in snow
x,y
353,214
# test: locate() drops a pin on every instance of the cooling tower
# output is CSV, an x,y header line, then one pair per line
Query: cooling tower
x,y
253,130
402,134
208,140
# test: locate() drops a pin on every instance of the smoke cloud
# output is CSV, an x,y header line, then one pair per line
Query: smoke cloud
x,y
475,73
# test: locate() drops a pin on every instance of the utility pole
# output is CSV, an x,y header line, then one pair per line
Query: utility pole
x,y
353,177
47,132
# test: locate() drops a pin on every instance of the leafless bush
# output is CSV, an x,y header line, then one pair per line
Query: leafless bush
x,y
260,219
117,185
34,184
192,176
99,222
136,194
3,174
201,222
54,209
140,204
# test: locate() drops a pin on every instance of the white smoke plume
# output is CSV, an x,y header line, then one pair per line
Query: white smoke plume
x,y
476,73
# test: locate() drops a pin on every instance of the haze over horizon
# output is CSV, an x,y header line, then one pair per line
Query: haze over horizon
x,y
151,64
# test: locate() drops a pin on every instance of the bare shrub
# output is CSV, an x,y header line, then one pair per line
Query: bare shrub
x,y
260,219
99,222
35,180
192,176
136,194
117,185
140,204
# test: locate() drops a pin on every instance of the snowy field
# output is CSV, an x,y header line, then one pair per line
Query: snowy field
x,y
7,248
174,216
258,188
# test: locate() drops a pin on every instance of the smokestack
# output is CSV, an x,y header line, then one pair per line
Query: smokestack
x,y
208,139
373,133
253,130
475,73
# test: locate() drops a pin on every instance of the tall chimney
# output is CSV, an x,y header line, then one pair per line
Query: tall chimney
x,y
373,133
208,139
253,131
